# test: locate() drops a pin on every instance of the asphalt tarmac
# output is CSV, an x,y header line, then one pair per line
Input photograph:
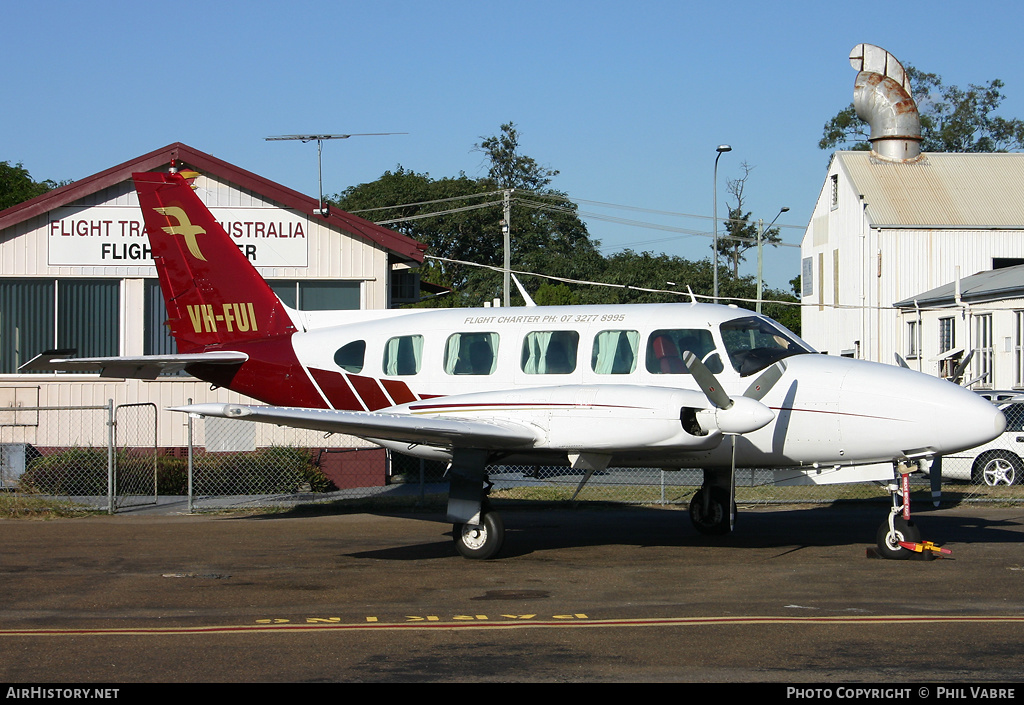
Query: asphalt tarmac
x,y
589,594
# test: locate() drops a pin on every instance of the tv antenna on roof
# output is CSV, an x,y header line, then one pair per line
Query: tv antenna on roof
x,y
324,209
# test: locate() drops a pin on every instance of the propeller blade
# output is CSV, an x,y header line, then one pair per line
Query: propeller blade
x,y
706,380
901,362
935,477
763,384
958,371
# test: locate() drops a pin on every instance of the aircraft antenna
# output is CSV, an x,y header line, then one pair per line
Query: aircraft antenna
x,y
324,209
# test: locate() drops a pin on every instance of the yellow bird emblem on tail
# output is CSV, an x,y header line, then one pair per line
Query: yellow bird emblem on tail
x,y
183,228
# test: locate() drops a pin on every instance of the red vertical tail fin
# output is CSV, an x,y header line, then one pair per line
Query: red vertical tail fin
x,y
213,293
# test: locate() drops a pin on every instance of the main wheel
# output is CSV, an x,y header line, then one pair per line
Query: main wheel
x,y
480,541
888,541
997,468
713,520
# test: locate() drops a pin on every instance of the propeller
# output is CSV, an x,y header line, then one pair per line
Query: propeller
x,y
738,415
733,416
935,479
958,371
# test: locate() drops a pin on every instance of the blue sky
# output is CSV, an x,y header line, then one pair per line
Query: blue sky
x,y
626,100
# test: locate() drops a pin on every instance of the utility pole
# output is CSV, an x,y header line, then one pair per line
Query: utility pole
x,y
506,227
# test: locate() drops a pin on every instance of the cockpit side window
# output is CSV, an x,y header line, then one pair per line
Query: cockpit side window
x,y
753,343
665,350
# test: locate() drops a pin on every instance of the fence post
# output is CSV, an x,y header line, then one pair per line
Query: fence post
x,y
110,456
189,417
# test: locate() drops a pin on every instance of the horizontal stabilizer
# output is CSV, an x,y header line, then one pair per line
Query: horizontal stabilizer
x,y
136,367
408,428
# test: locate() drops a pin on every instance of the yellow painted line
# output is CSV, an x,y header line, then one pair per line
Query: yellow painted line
x,y
476,623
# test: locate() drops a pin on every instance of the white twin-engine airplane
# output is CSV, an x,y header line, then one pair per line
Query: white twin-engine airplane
x,y
655,385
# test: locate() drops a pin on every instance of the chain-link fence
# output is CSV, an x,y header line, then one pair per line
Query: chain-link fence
x,y
109,457
98,456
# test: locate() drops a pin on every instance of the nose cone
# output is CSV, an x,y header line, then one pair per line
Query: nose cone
x,y
924,413
959,418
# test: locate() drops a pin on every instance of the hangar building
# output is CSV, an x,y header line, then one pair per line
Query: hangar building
x,y
75,272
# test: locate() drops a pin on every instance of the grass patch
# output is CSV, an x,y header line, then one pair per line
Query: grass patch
x,y
18,505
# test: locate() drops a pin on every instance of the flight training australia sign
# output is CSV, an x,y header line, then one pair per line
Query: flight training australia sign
x,y
115,236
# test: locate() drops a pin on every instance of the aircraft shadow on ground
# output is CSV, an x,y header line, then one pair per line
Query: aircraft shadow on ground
x,y
532,530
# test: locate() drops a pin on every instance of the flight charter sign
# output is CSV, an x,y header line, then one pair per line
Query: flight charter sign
x,y
115,236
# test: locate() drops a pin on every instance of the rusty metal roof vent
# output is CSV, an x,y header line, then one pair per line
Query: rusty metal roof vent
x,y
881,96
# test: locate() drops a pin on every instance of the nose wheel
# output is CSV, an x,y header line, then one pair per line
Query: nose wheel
x,y
898,538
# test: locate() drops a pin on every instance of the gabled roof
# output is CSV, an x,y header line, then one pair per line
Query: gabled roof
x,y
186,156
993,285
940,190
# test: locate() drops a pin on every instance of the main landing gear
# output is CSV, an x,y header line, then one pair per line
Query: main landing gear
x,y
477,530
710,511
482,540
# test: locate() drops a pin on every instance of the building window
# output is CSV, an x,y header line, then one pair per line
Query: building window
x,y
834,186
913,347
46,314
983,350
1018,349
807,276
311,295
947,334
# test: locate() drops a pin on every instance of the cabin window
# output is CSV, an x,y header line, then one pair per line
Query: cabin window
x,y
471,354
615,352
665,350
403,355
350,357
550,352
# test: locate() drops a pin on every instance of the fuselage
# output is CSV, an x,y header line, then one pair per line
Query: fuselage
x,y
590,378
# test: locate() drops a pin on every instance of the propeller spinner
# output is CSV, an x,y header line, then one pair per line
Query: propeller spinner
x,y
729,415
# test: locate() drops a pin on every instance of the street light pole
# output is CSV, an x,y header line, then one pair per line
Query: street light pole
x,y
721,149
760,235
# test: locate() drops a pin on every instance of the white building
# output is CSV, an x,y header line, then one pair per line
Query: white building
x,y
884,231
894,222
979,318
75,273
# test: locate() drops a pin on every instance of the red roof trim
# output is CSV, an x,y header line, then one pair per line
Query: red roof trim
x,y
200,161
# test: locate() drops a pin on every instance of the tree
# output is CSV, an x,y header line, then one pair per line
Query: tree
x,y
953,119
509,169
17,186
741,229
547,235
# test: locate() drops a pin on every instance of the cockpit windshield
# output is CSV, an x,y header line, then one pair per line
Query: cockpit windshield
x,y
754,343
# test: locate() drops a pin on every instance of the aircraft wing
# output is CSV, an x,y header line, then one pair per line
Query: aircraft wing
x,y
140,366
426,430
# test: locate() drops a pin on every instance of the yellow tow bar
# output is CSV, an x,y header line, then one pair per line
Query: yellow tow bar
x,y
925,546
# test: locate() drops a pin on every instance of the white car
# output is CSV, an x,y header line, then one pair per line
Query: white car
x,y
999,462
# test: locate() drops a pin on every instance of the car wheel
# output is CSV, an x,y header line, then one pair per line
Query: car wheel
x,y
997,468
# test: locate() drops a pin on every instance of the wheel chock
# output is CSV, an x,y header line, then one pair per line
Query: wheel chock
x,y
925,546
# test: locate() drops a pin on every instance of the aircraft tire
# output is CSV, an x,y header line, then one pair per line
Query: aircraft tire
x,y
714,522
480,541
889,542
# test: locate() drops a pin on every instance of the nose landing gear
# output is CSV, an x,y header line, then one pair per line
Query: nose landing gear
x,y
898,538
